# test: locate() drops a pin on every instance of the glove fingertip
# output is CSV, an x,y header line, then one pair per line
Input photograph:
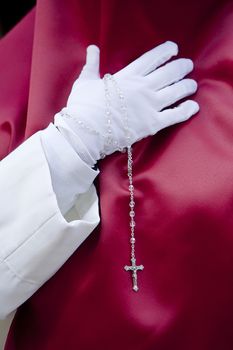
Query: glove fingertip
x,y
173,46
93,56
192,107
93,48
196,107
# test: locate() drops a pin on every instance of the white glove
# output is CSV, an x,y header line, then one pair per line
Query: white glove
x,y
148,88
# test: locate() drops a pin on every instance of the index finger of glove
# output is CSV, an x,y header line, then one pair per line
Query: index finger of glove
x,y
150,60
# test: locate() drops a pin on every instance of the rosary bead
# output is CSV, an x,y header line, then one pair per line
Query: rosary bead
x,y
132,223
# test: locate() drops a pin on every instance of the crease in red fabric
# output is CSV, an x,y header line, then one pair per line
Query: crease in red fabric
x,y
183,179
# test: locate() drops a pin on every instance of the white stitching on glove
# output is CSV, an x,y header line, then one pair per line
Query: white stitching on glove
x,y
150,86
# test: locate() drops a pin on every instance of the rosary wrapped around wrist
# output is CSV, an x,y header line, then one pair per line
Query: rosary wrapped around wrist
x,y
108,141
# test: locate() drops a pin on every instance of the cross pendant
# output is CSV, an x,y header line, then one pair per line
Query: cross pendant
x,y
134,268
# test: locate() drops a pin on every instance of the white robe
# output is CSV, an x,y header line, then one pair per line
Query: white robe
x,y
48,207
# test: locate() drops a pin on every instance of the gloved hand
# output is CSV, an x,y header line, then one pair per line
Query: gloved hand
x,y
148,86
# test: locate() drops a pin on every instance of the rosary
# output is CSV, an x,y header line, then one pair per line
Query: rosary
x,y
134,268
108,141
107,78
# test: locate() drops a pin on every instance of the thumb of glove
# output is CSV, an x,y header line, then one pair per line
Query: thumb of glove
x,y
91,68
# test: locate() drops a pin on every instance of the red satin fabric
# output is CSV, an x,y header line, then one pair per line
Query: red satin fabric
x,y
183,178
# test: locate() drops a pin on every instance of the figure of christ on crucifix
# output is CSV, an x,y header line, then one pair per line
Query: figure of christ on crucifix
x,y
134,268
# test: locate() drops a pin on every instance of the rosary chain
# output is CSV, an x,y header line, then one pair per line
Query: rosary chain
x,y
133,268
80,123
124,112
109,139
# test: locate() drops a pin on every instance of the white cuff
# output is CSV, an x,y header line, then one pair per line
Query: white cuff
x,y
69,173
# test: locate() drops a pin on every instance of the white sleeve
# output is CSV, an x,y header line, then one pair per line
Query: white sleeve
x,y
36,239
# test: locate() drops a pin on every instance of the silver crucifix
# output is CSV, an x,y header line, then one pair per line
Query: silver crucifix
x,y
134,268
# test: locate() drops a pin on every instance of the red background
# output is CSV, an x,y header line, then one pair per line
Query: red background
x,y
183,177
